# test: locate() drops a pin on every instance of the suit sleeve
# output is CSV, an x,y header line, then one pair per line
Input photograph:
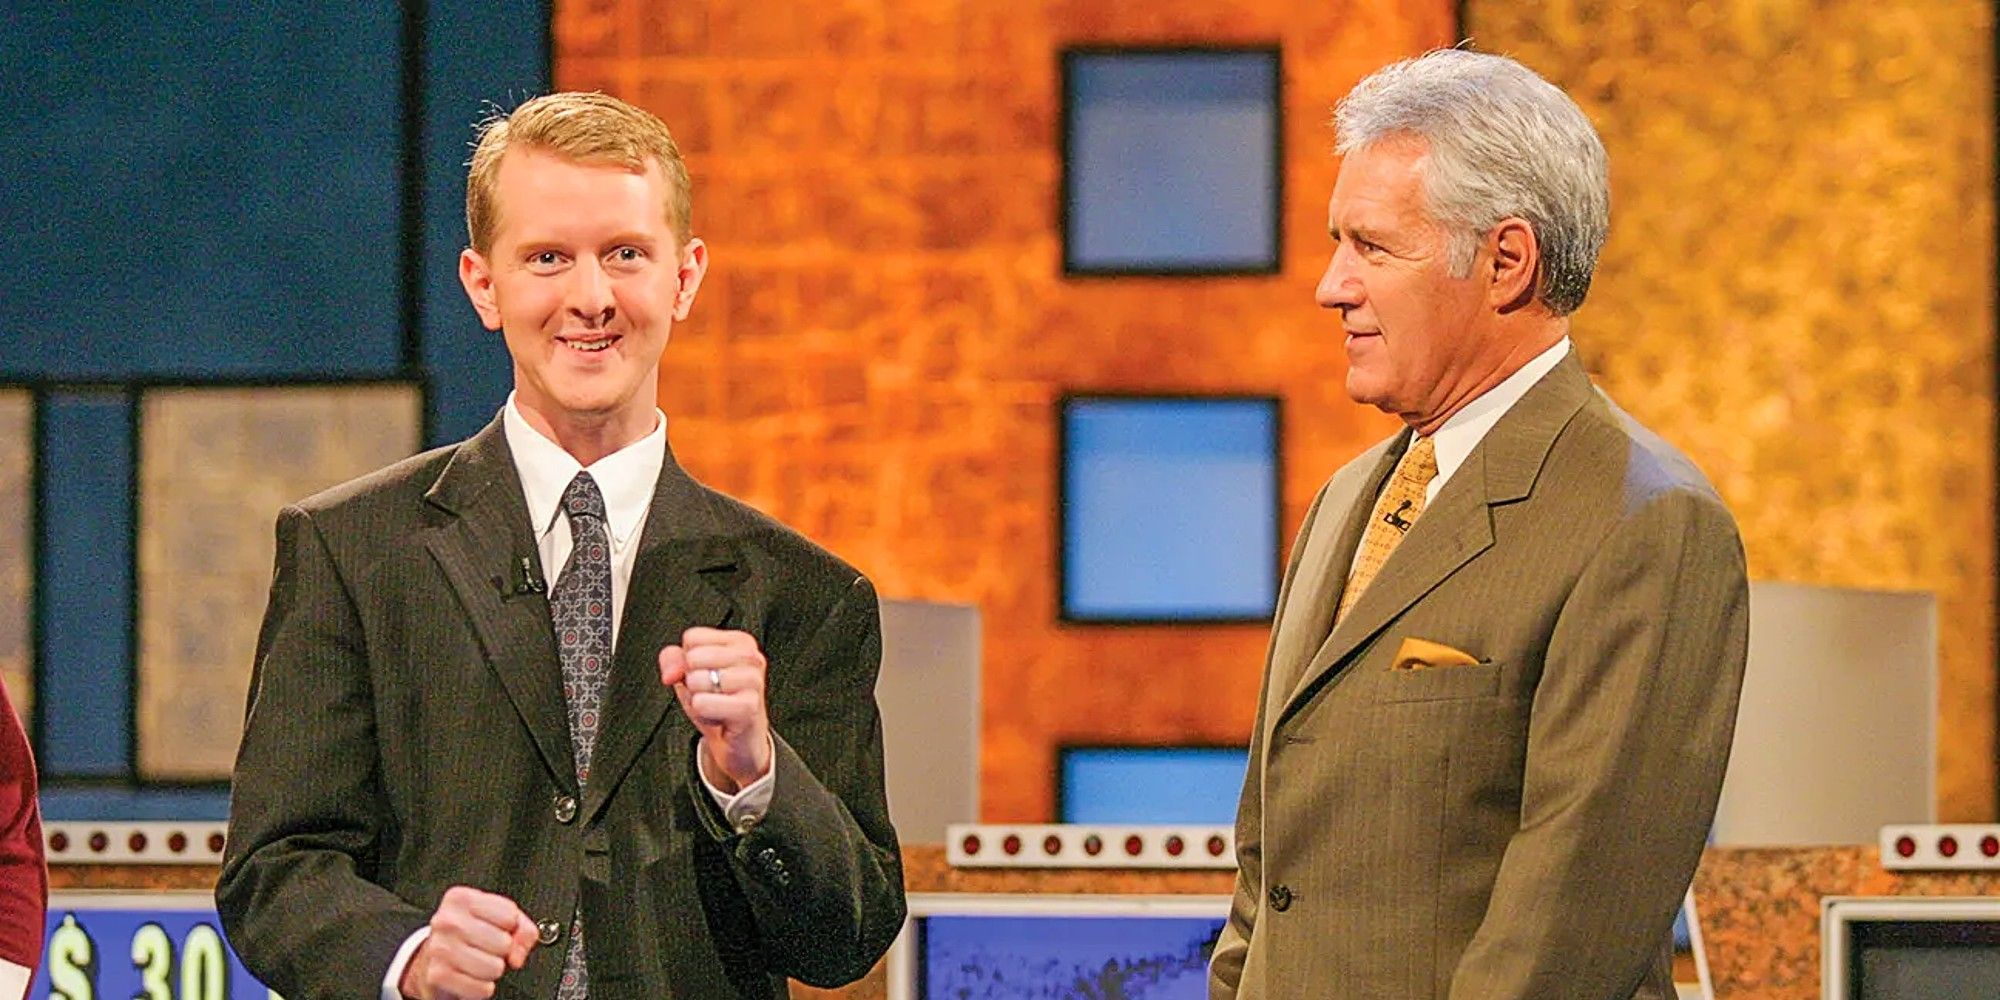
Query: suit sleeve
x,y
1627,744
297,894
821,871
1232,948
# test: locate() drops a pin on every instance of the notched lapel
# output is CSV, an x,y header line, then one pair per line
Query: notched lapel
x,y
1502,469
1315,595
478,550
1456,529
686,573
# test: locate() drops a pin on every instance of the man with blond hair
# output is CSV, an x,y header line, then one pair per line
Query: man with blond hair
x,y
536,714
1503,676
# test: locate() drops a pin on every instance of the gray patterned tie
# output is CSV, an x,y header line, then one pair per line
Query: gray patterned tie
x,y
581,603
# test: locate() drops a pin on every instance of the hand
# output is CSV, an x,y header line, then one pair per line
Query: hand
x,y
719,678
475,937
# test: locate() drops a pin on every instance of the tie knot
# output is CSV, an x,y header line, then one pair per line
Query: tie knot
x,y
582,498
1420,463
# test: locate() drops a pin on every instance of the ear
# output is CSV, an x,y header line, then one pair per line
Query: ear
x,y
1515,266
694,264
477,276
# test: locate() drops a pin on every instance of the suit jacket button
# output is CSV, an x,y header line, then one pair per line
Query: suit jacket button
x,y
1281,897
549,931
565,809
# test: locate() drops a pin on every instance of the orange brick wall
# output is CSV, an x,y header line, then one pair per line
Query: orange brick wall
x,y
876,356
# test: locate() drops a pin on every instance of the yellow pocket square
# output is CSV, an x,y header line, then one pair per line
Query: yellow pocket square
x,y
1423,654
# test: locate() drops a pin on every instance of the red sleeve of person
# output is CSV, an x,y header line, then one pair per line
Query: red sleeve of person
x,y
24,876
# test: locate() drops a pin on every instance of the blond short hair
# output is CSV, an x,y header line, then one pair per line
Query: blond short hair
x,y
585,127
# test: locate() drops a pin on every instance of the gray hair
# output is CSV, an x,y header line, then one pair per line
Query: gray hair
x,y
1504,143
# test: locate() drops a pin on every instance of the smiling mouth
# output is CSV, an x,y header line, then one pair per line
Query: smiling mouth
x,y
591,345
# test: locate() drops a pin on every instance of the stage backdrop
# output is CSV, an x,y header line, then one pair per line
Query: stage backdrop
x,y
1797,291
1799,288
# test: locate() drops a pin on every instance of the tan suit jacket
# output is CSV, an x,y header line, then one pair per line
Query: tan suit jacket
x,y
1519,821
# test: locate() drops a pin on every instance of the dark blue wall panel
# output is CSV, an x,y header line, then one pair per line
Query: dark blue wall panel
x,y
204,188
211,191
83,689
479,56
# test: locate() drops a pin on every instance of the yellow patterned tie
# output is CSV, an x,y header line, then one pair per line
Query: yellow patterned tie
x,y
1401,502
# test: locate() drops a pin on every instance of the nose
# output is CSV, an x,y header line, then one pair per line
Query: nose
x,y
590,298
1340,286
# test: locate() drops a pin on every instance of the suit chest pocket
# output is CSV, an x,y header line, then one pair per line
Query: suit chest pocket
x,y
1456,683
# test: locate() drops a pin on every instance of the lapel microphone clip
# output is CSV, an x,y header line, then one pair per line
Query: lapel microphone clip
x,y
1395,517
527,580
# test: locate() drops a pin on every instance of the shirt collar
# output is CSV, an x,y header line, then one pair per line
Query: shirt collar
x,y
1466,428
627,477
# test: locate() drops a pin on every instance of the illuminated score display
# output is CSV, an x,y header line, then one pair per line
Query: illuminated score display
x,y
146,946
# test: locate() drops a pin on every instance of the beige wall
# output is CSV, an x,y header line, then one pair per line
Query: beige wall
x,y
215,465
17,553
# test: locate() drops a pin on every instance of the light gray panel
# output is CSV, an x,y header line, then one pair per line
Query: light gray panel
x,y
1837,733
929,694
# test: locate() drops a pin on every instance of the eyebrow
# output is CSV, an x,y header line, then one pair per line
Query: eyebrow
x,y
1368,234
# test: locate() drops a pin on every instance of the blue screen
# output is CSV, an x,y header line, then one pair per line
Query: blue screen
x,y
116,951
1172,161
1152,785
1019,958
1170,509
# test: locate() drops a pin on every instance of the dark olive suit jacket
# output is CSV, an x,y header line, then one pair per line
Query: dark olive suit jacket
x,y
1518,815
407,733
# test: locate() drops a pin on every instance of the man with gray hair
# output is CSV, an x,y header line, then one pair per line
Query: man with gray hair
x,y
1503,675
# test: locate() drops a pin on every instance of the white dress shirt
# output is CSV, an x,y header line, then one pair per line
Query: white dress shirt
x,y
1466,428
627,478
1463,431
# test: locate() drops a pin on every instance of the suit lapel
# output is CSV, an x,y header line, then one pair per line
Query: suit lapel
x,y
479,551
1322,573
686,573
1455,530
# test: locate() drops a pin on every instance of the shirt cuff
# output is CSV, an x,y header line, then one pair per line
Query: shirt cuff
x,y
747,807
392,984
13,980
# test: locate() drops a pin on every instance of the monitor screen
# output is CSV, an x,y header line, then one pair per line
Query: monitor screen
x,y
1911,948
1143,785
1035,946
1169,508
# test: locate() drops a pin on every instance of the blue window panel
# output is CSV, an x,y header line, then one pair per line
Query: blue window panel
x,y
85,804
206,189
84,624
1170,509
477,51
1162,958
1151,784
1172,161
